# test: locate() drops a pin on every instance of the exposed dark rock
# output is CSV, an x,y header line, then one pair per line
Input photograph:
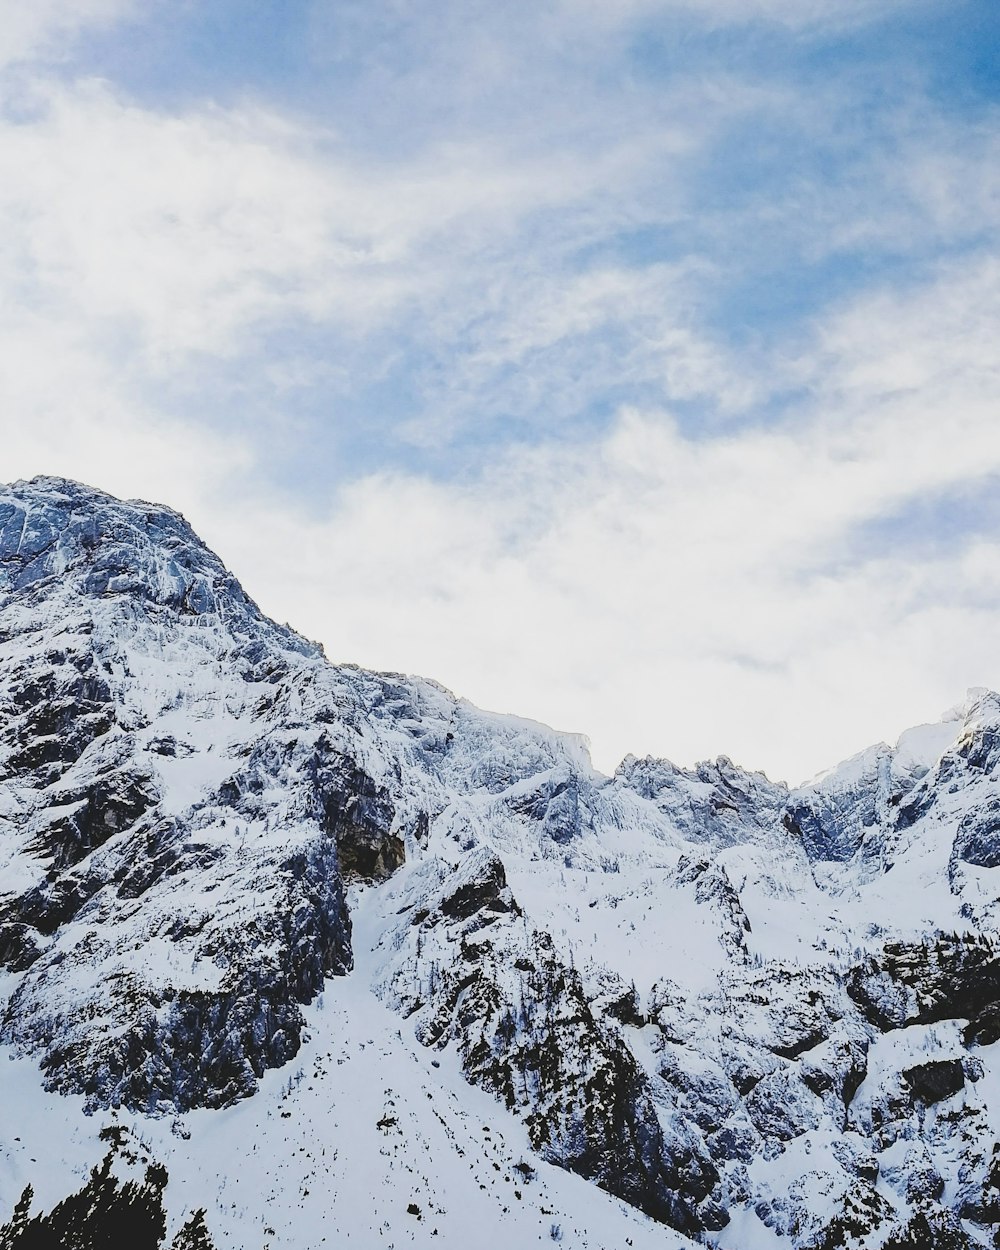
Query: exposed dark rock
x,y
915,806
848,815
782,1107
359,815
482,887
931,1082
86,818
863,1210
186,1049
708,1096
830,831
979,748
935,1230
737,1139
554,804
984,1030
835,1071
622,1004
978,838
713,888
950,976
985,1207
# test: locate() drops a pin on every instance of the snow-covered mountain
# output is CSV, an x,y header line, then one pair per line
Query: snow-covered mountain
x,y
354,960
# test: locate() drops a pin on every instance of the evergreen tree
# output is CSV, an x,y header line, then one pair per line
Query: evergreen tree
x,y
194,1234
11,1234
103,1215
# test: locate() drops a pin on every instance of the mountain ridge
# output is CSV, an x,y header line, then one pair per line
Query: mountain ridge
x,y
676,979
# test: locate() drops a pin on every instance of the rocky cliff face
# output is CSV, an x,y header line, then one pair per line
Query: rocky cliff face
x,y
178,819
749,1012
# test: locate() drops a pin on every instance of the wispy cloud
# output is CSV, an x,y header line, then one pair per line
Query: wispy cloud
x,y
601,375
671,594
45,27
196,228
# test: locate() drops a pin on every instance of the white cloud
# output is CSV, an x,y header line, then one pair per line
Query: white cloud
x,y
689,597
186,233
550,341
661,592
942,336
66,411
44,27
181,231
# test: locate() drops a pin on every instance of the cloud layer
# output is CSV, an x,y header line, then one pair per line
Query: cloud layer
x,y
655,399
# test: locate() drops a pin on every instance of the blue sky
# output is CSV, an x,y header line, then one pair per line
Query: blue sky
x,y
786,133
626,363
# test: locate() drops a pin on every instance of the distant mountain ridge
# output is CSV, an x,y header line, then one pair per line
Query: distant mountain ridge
x,y
758,1015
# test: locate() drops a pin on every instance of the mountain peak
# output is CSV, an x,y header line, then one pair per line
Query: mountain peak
x,y
59,537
